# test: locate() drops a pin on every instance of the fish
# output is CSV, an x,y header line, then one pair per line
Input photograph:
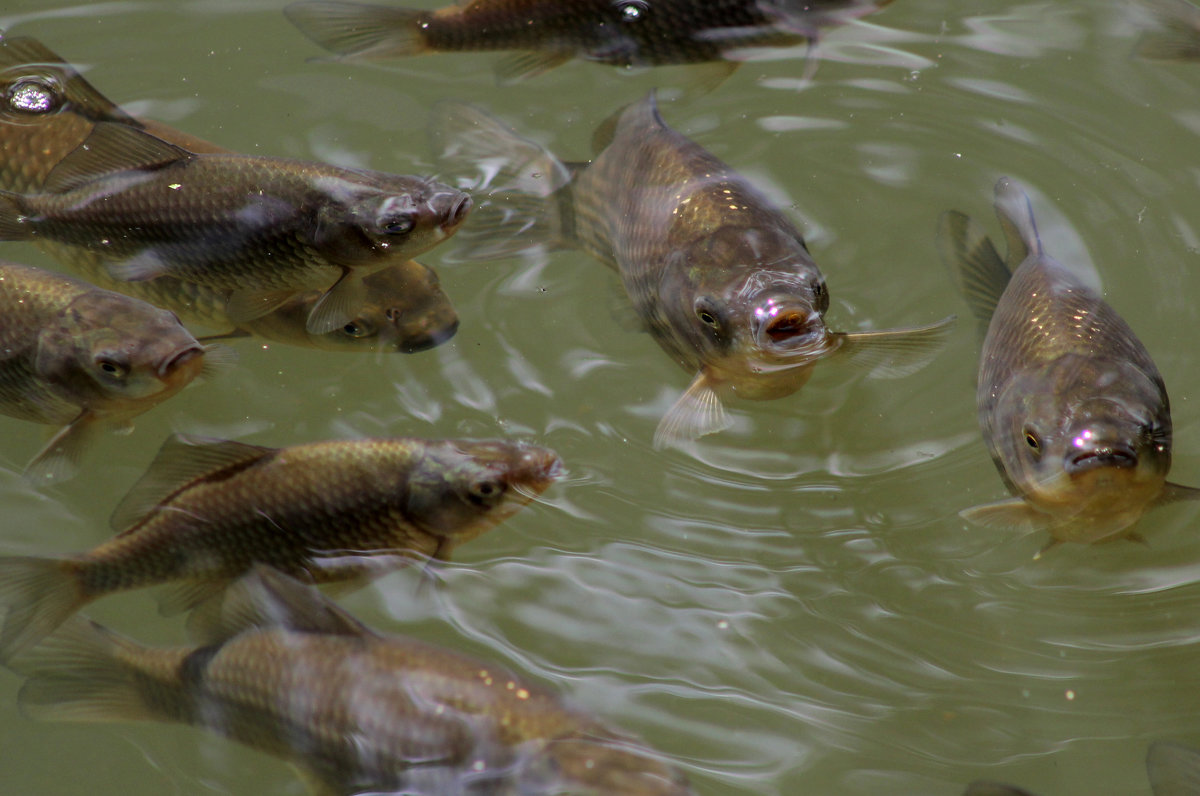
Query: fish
x,y
82,358
338,511
1178,36
1173,769
48,109
1072,408
285,671
548,33
265,228
718,276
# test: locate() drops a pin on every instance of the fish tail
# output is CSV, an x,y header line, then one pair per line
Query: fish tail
x,y
1178,37
13,224
82,673
361,32
521,189
1173,768
38,595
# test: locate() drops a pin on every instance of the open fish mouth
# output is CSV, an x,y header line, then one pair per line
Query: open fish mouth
x,y
1119,457
453,206
412,343
181,358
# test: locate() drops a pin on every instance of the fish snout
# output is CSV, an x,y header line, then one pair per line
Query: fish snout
x,y
787,326
537,467
1090,451
180,359
451,207
429,336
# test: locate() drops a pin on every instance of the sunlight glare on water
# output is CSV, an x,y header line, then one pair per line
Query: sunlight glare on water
x,y
790,606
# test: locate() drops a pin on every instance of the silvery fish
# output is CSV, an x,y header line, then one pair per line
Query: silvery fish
x,y
1072,408
285,671
76,356
548,33
1178,34
716,274
1174,770
47,110
207,510
264,228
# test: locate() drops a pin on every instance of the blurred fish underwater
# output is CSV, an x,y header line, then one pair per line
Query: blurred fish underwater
x,y
717,275
339,511
1072,408
286,671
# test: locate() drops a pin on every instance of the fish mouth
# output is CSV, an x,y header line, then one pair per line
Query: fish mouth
x,y
790,333
535,472
452,207
1121,457
180,359
423,341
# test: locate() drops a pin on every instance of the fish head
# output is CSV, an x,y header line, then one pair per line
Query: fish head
x,y
109,351
751,304
601,762
1085,437
464,488
391,221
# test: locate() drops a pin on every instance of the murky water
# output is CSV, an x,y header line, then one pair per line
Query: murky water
x,y
795,607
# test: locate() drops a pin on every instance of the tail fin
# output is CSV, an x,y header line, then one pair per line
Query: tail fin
x,y
518,183
1174,769
358,31
79,674
38,595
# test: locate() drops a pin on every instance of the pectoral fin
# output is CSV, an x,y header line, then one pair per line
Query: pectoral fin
x,y
1173,493
341,304
247,305
530,63
894,353
1013,514
59,459
697,412
1173,769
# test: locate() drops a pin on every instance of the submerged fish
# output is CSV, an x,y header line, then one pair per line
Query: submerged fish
x,y
264,228
1072,408
718,276
206,511
285,671
1174,770
551,32
74,355
47,110
1179,36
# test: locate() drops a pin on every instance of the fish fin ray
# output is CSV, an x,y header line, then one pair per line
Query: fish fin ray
x,y
1016,219
181,460
59,459
524,65
142,267
1173,769
218,360
340,304
1013,514
1173,493
358,31
698,411
12,219
894,353
978,270
78,675
266,597
176,598
38,594
113,147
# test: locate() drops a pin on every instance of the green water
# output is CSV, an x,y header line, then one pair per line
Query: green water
x,y
795,606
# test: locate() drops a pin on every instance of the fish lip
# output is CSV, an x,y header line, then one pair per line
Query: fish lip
x,y
180,358
453,206
413,344
1121,457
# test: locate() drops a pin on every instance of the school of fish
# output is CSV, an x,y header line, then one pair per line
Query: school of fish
x,y
175,234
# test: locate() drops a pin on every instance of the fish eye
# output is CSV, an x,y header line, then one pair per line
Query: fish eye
x,y
401,224
1033,441
34,96
111,367
358,328
486,491
707,312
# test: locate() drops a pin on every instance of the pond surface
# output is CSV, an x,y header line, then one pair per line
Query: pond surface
x,y
793,605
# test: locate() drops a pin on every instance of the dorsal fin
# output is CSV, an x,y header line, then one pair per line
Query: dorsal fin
x,y
1016,219
643,113
264,598
25,56
974,263
113,147
181,460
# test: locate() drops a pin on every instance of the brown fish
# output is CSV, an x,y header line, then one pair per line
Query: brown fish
x,y
208,510
719,276
74,355
1073,410
550,32
1178,34
264,228
47,110
287,672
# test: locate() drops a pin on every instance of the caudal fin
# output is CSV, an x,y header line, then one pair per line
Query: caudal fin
x,y
37,595
516,182
1174,769
359,31
79,674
